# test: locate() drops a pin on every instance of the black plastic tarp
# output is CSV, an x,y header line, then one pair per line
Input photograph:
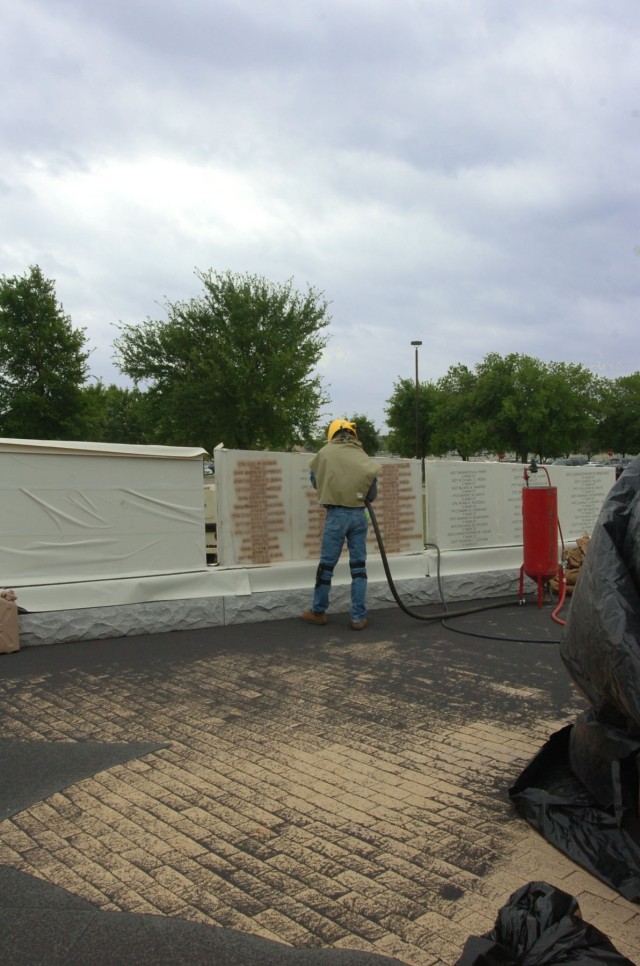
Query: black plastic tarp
x,y
541,926
582,789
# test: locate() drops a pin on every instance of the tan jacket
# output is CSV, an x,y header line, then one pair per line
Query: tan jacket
x,y
343,473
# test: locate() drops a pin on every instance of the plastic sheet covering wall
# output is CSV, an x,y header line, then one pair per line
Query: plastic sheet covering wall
x,y
582,790
79,511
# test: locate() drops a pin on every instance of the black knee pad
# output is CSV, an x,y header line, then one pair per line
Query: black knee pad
x,y
360,565
324,573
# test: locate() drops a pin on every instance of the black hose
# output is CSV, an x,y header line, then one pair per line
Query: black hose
x,y
398,599
498,637
446,614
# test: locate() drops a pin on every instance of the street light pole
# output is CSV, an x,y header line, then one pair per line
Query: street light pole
x,y
417,343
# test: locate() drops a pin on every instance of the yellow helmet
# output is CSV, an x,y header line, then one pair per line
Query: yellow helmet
x,y
341,424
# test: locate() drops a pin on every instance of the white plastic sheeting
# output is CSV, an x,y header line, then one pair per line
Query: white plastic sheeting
x,y
76,511
56,447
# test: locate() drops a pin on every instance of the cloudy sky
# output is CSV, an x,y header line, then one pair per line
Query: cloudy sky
x,y
464,173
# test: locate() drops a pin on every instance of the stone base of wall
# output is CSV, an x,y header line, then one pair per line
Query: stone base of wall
x,y
159,617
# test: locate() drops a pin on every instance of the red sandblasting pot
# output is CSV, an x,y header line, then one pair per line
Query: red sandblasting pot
x,y
540,531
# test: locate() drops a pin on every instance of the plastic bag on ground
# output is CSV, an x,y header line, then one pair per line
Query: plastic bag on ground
x,y
582,790
541,926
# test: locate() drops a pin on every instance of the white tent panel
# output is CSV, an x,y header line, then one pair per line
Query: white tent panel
x,y
78,448
74,512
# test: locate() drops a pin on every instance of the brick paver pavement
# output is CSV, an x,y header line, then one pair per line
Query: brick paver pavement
x,y
315,786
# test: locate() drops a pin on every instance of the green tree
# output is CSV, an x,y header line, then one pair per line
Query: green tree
x,y
619,429
43,362
367,433
401,417
455,423
573,400
509,401
531,408
234,365
117,415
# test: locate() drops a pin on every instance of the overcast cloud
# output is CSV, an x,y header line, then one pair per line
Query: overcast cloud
x,y
465,173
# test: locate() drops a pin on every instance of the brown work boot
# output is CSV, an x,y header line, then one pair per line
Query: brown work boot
x,y
359,625
314,618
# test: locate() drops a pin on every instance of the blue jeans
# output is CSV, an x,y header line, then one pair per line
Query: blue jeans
x,y
350,524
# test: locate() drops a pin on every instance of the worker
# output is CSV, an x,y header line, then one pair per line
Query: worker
x,y
344,477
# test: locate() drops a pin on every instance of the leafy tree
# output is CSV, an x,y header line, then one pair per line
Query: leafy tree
x,y
508,401
367,433
619,429
401,417
234,365
43,363
455,421
517,403
117,415
572,397
529,407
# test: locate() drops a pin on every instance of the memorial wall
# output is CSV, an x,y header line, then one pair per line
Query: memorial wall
x,y
269,527
268,511
479,505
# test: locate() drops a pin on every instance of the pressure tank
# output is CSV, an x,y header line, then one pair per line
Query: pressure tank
x,y
540,532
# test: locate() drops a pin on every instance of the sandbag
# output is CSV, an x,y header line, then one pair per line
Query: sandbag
x,y
9,630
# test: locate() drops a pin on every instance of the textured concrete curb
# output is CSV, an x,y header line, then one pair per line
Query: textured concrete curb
x,y
156,617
